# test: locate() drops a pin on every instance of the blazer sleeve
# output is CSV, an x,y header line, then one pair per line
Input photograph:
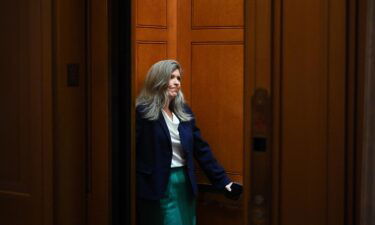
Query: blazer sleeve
x,y
141,135
138,126
205,158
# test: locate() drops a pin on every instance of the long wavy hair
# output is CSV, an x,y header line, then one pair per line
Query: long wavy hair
x,y
154,95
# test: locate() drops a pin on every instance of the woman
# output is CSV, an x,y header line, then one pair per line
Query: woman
x,y
166,142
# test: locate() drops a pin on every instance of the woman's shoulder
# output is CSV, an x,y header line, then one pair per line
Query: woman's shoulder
x,y
187,109
140,111
140,108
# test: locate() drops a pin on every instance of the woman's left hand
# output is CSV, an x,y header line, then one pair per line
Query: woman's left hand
x,y
233,191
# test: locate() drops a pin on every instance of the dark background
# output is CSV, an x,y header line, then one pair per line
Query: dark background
x,y
120,46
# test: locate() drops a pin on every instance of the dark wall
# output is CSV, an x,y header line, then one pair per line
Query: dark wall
x,y
120,45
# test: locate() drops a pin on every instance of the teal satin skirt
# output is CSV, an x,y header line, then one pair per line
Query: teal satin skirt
x,y
177,208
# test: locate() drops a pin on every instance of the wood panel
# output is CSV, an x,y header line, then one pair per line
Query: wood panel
x,y
151,13
25,84
205,54
147,54
210,47
217,96
214,208
147,34
312,113
217,14
152,40
220,35
304,180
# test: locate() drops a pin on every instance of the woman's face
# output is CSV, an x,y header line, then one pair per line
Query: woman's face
x,y
174,84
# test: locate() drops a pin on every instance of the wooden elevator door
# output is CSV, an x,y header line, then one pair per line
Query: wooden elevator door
x,y
43,168
26,113
310,93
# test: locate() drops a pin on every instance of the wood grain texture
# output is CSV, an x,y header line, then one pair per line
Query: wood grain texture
x,y
217,96
69,114
147,54
47,117
99,198
367,194
276,108
211,49
217,14
151,13
353,108
312,113
148,34
304,114
26,106
12,95
219,35
336,127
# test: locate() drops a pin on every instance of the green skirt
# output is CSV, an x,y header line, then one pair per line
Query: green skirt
x,y
177,208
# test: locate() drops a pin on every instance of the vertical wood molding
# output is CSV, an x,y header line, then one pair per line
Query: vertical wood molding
x,y
249,80
367,197
263,43
47,145
99,202
69,112
309,53
351,108
336,85
277,107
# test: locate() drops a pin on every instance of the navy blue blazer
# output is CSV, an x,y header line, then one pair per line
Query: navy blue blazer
x,y
154,155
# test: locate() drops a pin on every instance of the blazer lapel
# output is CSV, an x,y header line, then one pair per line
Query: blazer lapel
x,y
164,126
182,130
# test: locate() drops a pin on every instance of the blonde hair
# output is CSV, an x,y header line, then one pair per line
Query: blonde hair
x,y
154,96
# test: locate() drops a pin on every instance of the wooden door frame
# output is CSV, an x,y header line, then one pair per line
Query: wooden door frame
x,y
109,113
356,78
365,126
360,124
99,103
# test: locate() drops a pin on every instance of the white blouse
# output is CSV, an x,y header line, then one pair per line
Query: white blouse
x,y
178,158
